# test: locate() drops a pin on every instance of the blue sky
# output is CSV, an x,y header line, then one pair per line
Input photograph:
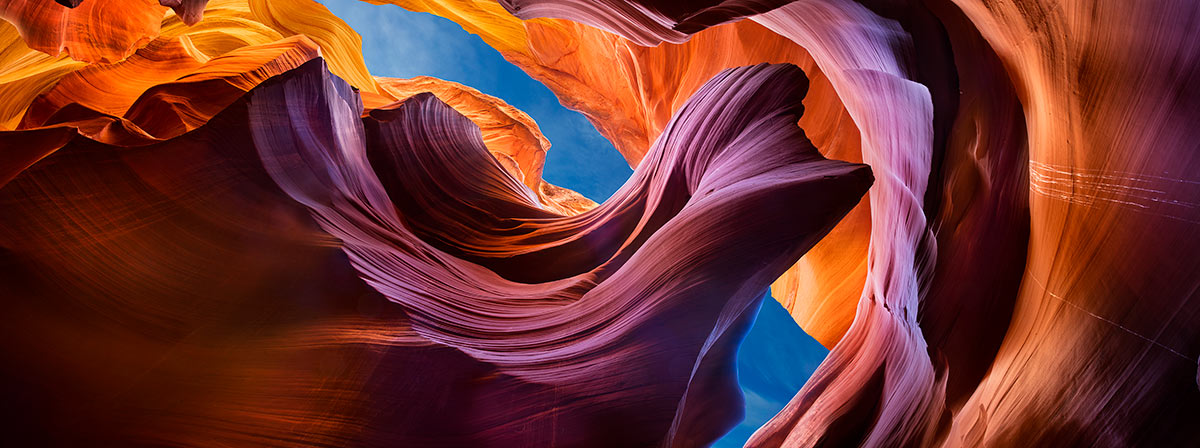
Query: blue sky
x,y
775,358
774,361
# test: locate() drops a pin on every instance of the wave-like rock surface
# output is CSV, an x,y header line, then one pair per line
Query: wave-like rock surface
x,y
573,302
1103,341
1027,166
1020,275
185,75
646,23
162,53
624,90
510,135
629,312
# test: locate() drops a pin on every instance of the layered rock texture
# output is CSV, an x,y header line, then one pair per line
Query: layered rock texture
x,y
217,228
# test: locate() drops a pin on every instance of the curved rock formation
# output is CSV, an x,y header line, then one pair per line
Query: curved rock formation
x,y
569,334
510,135
173,181
577,62
882,361
646,23
1035,67
563,301
240,45
101,31
1099,320
163,52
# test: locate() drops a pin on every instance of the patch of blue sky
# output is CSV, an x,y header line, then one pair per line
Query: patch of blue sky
x,y
774,361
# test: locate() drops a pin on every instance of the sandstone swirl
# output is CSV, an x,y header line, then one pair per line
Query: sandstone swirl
x,y
215,222
631,311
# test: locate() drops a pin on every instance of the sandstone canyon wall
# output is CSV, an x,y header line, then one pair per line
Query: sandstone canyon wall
x,y
218,228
